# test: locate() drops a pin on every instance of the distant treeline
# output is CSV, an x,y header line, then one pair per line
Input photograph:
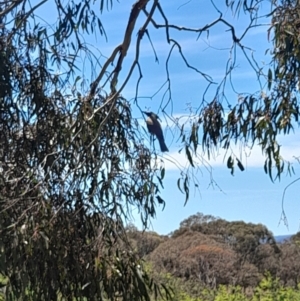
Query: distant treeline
x,y
208,252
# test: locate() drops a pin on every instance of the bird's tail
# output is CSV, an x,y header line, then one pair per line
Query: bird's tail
x,y
163,146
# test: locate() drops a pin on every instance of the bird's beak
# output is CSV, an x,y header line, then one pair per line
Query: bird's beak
x,y
146,113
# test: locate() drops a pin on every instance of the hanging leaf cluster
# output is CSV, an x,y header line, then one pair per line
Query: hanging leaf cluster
x,y
260,118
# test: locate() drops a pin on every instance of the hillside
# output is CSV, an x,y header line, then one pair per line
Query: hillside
x,y
282,238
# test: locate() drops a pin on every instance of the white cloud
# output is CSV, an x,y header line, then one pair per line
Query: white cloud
x,y
251,158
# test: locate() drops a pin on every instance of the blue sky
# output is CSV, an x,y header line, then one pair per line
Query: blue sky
x,y
248,196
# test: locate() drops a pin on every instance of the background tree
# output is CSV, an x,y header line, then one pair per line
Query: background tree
x,y
144,242
244,238
196,263
289,264
198,257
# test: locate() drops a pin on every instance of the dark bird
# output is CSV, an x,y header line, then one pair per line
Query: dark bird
x,y
154,128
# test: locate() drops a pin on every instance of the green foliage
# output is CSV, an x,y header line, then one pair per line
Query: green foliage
x,y
230,294
257,118
3,283
269,289
296,238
